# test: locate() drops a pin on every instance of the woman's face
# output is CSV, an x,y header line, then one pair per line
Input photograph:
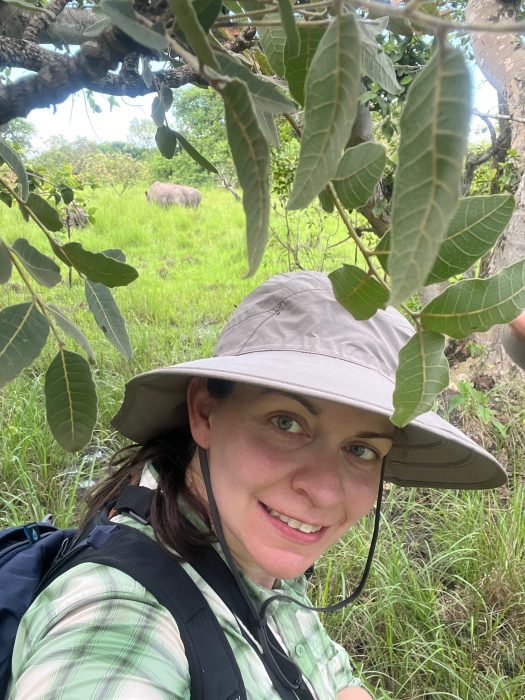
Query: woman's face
x,y
290,474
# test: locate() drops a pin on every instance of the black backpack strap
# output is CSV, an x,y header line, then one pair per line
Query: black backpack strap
x,y
217,574
136,502
214,672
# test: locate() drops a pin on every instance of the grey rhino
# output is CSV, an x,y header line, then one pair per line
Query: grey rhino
x,y
166,194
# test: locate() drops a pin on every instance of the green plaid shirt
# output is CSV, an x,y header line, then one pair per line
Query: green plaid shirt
x,y
95,633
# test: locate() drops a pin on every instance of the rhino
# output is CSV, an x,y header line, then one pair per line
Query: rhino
x,y
166,194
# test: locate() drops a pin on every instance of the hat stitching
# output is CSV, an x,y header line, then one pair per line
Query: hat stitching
x,y
230,326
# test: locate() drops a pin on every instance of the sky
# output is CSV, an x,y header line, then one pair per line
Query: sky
x,y
74,118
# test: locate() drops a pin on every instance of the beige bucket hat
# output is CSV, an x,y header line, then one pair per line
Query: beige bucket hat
x,y
291,334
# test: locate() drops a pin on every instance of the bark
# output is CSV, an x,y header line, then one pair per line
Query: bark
x,y
501,57
68,28
42,20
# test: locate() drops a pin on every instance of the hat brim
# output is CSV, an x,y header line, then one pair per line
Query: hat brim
x,y
427,452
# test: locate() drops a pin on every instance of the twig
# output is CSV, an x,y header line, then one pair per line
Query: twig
x,y
436,24
508,117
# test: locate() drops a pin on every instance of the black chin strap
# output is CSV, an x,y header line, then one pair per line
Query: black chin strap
x,y
275,660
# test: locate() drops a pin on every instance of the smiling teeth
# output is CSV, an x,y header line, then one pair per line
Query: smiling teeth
x,y
295,524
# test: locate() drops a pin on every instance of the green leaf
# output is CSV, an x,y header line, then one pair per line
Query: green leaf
x,y
273,40
296,67
43,269
166,97
71,400
23,334
251,156
122,15
72,330
44,212
326,201
11,157
109,319
293,40
115,253
421,375
6,198
266,96
67,195
475,227
477,305
358,174
359,293
6,266
332,90
188,20
376,64
434,129
207,12
194,153
268,127
158,113
99,267
97,27
166,140
382,250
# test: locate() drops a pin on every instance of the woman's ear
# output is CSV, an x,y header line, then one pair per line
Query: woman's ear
x,y
200,404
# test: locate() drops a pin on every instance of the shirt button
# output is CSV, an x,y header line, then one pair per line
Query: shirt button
x,y
300,650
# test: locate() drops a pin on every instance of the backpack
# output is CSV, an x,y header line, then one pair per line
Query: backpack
x,y
31,556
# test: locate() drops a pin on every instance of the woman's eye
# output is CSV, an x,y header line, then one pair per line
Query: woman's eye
x,y
363,452
286,424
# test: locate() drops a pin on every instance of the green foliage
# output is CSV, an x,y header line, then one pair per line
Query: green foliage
x,y
71,400
199,117
477,305
433,141
422,373
251,155
474,229
359,293
332,89
18,133
468,401
358,173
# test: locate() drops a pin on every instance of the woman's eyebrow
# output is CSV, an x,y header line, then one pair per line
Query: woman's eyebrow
x,y
387,436
296,397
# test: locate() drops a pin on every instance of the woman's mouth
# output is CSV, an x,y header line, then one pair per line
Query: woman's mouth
x,y
293,523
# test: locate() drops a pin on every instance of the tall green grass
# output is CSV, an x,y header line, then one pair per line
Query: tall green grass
x,y
443,615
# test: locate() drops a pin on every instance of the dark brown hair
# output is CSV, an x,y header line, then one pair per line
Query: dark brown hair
x,y
170,454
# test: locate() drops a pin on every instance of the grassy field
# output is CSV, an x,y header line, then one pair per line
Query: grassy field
x,y
443,615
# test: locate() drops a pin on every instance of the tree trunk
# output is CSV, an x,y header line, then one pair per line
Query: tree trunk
x,y
501,58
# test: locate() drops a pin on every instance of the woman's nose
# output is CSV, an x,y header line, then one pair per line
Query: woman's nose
x,y
319,477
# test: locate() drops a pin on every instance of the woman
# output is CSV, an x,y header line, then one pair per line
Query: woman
x,y
276,446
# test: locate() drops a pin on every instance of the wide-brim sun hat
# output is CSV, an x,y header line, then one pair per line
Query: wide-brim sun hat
x,y
292,335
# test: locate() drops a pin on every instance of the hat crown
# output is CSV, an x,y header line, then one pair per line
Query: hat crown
x,y
297,312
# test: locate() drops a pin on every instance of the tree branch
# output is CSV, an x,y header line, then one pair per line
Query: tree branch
x,y
68,27
19,53
42,20
132,84
56,80
484,116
